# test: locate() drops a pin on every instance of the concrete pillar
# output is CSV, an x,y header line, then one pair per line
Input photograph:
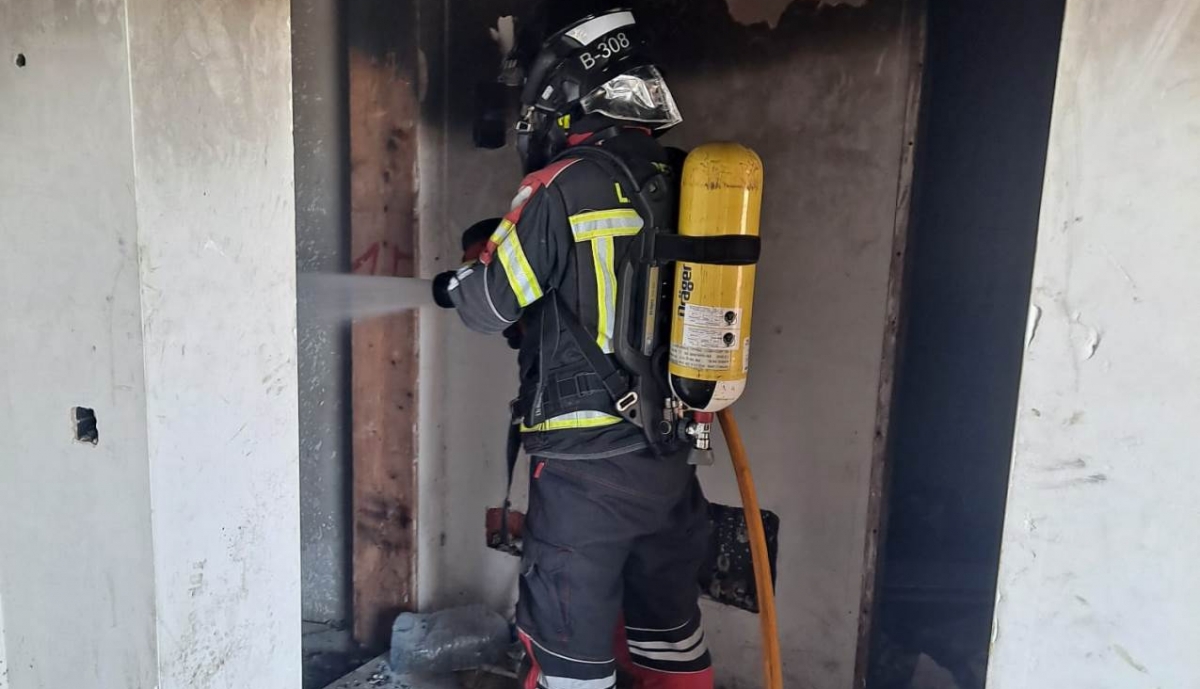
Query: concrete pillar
x,y
322,245
1097,584
146,210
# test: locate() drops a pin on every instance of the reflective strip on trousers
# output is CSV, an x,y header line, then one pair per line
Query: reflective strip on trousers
x,y
697,637
672,656
548,682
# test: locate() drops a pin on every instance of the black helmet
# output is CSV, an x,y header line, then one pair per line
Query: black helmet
x,y
598,65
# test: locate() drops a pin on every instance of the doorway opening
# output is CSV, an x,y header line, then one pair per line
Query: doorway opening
x,y
989,87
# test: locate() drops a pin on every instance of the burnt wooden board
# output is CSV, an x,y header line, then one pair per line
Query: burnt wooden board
x,y
383,120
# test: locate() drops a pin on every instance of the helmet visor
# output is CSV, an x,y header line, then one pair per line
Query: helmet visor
x,y
639,95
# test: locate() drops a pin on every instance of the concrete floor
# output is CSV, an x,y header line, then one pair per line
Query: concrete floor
x,y
329,654
375,675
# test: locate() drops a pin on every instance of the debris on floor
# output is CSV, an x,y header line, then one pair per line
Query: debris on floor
x,y
376,675
449,640
329,653
467,647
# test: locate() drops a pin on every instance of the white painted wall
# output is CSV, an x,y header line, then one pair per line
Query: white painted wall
x,y
3,650
75,522
212,122
1098,575
146,209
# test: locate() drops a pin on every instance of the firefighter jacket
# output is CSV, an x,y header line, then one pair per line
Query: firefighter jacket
x,y
553,257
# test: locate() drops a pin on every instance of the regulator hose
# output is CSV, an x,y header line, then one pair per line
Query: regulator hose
x,y
772,670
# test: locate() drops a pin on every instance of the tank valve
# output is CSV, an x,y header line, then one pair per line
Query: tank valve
x,y
700,431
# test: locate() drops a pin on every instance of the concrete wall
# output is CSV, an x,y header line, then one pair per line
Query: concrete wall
x,y
4,684
75,540
322,246
822,97
216,241
146,206
1099,557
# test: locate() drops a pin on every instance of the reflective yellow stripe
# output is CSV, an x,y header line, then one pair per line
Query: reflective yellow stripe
x,y
578,419
501,232
606,291
621,222
521,279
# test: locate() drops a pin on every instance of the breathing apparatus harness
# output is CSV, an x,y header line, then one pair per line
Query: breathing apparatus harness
x,y
634,387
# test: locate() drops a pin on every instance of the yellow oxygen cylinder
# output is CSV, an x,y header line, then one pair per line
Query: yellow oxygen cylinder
x,y
721,194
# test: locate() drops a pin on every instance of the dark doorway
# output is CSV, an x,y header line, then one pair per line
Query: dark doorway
x,y
977,189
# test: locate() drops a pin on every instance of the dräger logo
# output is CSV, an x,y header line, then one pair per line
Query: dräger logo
x,y
685,289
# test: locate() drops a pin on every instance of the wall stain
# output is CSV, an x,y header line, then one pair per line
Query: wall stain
x,y
1077,463
1128,658
1091,479
749,12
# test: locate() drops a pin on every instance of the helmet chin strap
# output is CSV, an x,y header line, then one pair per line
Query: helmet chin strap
x,y
530,161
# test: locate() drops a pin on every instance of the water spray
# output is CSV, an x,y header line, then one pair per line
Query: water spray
x,y
332,297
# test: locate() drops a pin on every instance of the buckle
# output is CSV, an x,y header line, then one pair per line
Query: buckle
x,y
514,412
626,402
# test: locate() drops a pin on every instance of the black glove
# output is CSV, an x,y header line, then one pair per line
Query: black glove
x,y
441,289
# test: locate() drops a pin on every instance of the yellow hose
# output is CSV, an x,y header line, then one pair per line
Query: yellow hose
x,y
772,669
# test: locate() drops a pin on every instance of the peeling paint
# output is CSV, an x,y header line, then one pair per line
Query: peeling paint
x,y
504,33
748,12
1031,325
210,245
1084,338
1091,342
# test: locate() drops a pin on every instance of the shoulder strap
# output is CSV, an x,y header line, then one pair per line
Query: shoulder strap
x,y
658,248
615,383
607,159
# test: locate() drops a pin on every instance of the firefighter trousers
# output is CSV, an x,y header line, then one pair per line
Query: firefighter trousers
x,y
613,548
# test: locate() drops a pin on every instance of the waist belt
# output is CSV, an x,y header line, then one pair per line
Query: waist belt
x,y
593,384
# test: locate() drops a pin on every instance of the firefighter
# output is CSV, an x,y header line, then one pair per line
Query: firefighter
x,y
617,526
